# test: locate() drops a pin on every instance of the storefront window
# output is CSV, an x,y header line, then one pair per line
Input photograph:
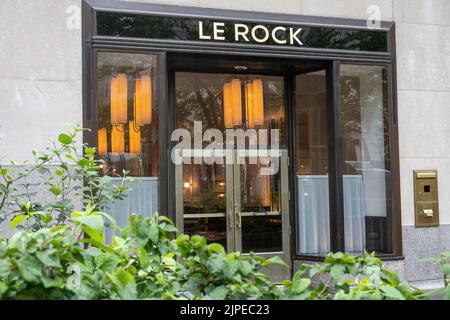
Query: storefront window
x,y
127,120
312,163
366,158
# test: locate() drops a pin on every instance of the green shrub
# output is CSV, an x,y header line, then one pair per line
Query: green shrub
x,y
443,262
59,251
149,261
66,174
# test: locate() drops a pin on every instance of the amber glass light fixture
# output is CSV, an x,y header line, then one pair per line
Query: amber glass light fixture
x,y
232,99
119,99
257,105
249,101
135,138
143,101
236,100
102,144
227,109
117,140
254,103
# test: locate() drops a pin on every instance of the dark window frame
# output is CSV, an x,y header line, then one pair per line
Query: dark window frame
x,y
93,43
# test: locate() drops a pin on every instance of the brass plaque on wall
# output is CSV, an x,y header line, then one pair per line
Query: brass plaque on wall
x,y
426,202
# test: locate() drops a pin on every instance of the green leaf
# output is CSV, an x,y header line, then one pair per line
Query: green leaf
x,y
64,139
55,190
107,262
219,293
16,221
118,241
216,248
3,288
245,267
198,241
337,271
46,218
153,233
89,151
93,225
274,260
30,269
300,285
83,162
49,258
51,282
445,269
392,293
447,293
143,257
230,268
215,263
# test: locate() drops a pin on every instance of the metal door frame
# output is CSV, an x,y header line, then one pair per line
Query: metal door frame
x,y
233,203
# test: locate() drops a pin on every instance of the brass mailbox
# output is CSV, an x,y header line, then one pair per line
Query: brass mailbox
x,y
426,198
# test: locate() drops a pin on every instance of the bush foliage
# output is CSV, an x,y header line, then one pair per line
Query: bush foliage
x,y
59,249
150,261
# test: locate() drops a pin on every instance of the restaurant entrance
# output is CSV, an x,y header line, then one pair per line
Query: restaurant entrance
x,y
232,178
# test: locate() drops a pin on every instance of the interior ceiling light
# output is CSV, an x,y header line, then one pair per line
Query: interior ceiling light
x,y
240,68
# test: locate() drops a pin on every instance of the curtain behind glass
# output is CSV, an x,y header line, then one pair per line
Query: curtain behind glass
x,y
312,164
366,157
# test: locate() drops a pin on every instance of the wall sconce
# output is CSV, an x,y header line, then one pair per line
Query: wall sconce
x,y
117,140
257,105
102,142
119,99
135,138
232,99
143,101
187,185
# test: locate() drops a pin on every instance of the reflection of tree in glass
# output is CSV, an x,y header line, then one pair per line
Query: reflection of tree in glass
x,y
199,98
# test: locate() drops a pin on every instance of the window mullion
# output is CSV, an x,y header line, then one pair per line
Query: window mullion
x,y
337,232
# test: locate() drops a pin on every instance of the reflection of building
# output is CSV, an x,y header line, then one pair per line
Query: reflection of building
x,y
358,110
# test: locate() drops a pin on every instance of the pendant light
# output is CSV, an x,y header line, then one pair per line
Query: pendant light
x,y
249,101
119,99
117,140
257,105
254,103
102,144
236,100
227,109
135,138
232,103
143,101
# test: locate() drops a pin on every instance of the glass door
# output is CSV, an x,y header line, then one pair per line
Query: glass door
x,y
261,209
238,197
204,196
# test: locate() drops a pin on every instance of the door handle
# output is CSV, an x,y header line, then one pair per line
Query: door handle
x,y
238,220
230,219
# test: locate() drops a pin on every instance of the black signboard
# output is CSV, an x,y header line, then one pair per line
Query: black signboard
x,y
220,31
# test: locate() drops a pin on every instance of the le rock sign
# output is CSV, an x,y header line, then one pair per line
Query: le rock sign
x,y
258,33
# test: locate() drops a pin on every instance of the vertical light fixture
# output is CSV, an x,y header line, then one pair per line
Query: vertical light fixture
x,y
117,140
143,101
135,138
102,144
227,109
249,101
257,105
236,101
232,103
119,99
